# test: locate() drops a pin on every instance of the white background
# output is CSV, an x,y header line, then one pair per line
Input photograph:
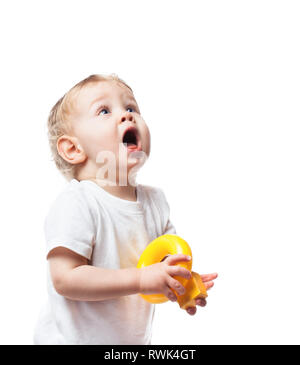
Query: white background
x,y
218,83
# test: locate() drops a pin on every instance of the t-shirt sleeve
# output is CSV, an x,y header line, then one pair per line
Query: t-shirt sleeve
x,y
169,229
70,224
163,205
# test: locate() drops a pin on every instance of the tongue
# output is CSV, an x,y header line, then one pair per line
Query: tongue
x,y
131,145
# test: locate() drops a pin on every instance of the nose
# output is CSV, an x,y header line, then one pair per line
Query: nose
x,y
127,117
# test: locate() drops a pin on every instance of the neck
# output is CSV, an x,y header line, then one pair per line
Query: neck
x,y
127,192
124,192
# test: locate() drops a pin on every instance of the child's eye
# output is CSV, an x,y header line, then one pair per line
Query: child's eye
x,y
103,111
131,110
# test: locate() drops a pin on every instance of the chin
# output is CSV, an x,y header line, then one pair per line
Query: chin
x,y
136,159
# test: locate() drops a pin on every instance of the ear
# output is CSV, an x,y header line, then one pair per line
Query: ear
x,y
70,150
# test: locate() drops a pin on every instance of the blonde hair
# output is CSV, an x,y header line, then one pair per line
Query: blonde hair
x,y
59,120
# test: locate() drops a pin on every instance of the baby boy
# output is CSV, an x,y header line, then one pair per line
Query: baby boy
x,y
102,221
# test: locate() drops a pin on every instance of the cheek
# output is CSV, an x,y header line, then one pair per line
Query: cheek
x,y
97,139
146,140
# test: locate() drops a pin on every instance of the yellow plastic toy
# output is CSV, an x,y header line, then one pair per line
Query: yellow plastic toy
x,y
156,251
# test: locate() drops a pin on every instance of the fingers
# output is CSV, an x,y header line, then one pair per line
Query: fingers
x,y
191,310
208,284
201,302
209,277
174,259
175,285
170,295
179,271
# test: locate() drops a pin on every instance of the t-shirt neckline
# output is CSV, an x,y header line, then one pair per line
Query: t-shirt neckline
x,y
128,205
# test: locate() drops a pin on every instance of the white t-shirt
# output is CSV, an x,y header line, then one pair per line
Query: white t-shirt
x,y
111,233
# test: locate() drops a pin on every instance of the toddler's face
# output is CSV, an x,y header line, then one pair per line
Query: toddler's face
x,y
107,116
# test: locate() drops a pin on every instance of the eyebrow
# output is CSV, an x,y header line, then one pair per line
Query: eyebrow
x,y
98,99
103,97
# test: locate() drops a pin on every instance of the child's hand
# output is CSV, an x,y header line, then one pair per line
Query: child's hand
x,y
208,282
158,278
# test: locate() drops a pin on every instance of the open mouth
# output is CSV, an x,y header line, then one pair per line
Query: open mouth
x,y
131,138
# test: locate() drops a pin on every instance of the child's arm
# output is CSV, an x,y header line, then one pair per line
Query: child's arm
x,y
74,279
